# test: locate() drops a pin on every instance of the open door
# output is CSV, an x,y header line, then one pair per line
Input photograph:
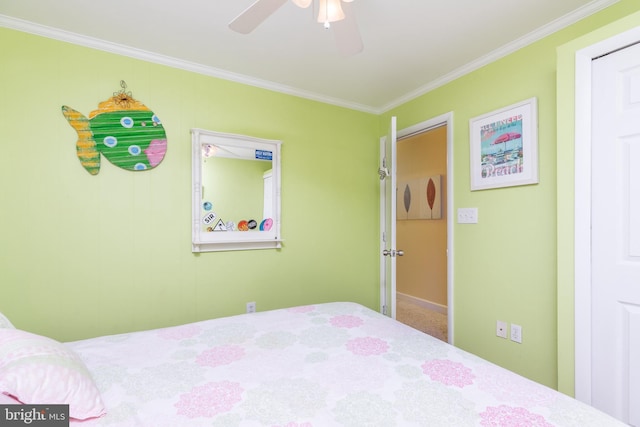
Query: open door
x,y
388,252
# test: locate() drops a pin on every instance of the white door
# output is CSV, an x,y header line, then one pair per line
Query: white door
x,y
615,253
388,251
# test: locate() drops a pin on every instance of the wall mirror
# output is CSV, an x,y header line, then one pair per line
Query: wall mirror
x,y
236,192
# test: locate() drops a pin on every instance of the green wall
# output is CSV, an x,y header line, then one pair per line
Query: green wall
x,y
85,255
506,265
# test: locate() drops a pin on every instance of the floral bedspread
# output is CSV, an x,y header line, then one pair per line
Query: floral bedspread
x,y
335,364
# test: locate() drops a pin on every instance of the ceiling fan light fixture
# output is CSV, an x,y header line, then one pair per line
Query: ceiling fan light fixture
x,y
330,11
302,3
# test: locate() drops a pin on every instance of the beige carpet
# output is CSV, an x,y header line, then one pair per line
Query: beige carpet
x,y
422,319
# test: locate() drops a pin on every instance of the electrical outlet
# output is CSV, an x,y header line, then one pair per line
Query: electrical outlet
x,y
501,329
467,215
516,333
251,307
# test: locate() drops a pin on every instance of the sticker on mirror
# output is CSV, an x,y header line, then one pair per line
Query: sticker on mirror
x,y
264,155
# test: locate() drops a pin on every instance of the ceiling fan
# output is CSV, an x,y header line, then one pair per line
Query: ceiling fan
x,y
336,15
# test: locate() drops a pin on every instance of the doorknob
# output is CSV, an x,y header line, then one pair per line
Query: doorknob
x,y
392,252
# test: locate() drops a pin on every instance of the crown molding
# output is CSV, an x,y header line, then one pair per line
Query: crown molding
x,y
538,34
128,51
144,55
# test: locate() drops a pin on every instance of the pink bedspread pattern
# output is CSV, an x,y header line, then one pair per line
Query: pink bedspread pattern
x,y
336,364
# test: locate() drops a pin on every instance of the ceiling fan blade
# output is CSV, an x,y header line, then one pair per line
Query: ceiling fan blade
x,y
346,32
254,15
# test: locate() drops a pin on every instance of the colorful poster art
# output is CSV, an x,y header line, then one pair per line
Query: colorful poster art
x,y
501,147
504,147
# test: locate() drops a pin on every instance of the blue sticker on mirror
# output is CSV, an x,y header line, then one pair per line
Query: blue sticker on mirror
x,y
266,224
264,155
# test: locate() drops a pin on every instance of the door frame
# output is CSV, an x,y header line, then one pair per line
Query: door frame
x,y
445,119
582,204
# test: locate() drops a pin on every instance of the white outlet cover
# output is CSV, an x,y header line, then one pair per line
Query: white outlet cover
x,y
501,329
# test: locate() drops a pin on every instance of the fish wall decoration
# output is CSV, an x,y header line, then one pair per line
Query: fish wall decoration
x,y
122,129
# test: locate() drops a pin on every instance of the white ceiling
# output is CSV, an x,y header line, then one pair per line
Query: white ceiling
x,y
410,46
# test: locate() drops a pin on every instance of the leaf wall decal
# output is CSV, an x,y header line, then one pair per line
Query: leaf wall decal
x,y
407,198
431,193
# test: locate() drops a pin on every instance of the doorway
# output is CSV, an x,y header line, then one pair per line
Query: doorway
x,y
421,231
389,252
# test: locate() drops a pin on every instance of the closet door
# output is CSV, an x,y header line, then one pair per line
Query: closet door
x,y
615,249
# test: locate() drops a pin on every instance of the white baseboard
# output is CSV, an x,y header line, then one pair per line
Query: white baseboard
x,y
422,303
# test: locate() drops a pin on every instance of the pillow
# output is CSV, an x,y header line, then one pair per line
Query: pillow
x,y
4,322
38,370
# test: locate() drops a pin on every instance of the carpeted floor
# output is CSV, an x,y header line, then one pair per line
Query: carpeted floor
x,y
422,319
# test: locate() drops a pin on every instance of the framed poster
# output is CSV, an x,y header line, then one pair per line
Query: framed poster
x,y
504,147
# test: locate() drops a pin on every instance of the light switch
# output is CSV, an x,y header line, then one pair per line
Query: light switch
x,y
467,215
516,333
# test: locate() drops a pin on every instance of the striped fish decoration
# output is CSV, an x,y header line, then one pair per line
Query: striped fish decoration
x,y
123,129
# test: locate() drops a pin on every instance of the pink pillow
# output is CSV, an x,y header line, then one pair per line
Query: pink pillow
x,y
38,370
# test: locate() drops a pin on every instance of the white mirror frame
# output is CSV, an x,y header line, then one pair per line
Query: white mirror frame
x,y
203,241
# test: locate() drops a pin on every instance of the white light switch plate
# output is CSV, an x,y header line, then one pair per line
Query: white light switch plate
x,y
516,333
467,215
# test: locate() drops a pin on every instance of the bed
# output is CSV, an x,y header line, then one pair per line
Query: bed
x,y
331,364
